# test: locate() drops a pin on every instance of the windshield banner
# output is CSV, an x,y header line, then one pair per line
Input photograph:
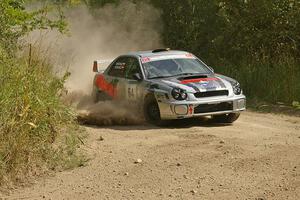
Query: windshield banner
x,y
167,57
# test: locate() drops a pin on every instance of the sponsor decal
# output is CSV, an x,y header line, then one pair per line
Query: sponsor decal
x,y
209,85
189,55
204,83
191,109
146,59
166,57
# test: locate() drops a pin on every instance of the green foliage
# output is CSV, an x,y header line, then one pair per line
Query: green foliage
x,y
255,41
93,4
267,81
261,29
230,28
296,104
15,22
100,3
32,117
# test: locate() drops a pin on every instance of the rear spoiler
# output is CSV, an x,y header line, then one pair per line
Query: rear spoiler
x,y
98,63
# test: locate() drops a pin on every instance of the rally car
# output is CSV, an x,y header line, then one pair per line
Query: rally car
x,y
167,85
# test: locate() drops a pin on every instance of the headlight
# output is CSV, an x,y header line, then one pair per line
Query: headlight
x,y
236,88
179,94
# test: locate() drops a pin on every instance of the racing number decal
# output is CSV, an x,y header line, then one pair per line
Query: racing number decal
x,y
131,92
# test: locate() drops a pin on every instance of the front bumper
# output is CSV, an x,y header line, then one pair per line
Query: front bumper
x,y
203,107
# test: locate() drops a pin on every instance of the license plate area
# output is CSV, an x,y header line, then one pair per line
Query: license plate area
x,y
213,107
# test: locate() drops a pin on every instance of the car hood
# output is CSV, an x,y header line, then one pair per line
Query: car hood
x,y
197,83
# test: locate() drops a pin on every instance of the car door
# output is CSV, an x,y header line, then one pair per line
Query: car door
x,y
133,86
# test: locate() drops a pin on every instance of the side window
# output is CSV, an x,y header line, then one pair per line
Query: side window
x,y
133,68
118,68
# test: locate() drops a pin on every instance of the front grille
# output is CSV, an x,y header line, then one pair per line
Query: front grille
x,y
207,108
211,93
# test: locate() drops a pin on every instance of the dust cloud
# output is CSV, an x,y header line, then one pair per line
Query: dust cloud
x,y
103,113
101,34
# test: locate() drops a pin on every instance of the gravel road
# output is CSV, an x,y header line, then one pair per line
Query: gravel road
x,y
257,158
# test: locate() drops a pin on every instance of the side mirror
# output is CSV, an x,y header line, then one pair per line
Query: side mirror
x,y
137,77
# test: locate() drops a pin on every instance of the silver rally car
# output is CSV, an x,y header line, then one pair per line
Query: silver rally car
x,y
166,85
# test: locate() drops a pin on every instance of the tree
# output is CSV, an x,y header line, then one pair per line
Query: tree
x,y
16,21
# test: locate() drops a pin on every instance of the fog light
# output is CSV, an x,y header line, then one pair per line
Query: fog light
x,y
241,104
181,109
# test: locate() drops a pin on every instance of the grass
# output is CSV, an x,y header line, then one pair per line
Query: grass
x,y
278,108
268,81
37,131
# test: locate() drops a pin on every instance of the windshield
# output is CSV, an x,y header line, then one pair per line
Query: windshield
x,y
174,67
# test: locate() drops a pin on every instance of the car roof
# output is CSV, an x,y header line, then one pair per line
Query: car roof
x,y
151,53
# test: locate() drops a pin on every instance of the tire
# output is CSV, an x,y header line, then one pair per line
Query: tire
x,y
99,96
226,118
95,95
151,111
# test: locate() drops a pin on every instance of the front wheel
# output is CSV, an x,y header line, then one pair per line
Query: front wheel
x,y
95,95
98,96
151,111
226,118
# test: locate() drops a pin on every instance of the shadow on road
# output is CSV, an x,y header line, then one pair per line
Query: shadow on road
x,y
123,125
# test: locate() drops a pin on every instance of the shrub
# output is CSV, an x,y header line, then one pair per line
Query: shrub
x,y
255,41
37,132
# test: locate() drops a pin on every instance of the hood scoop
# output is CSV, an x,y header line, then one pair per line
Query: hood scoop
x,y
192,77
197,79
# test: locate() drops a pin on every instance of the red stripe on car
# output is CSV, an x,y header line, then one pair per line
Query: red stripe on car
x,y
106,87
197,80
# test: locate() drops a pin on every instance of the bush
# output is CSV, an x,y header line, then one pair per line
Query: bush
x,y
37,132
255,41
31,119
267,81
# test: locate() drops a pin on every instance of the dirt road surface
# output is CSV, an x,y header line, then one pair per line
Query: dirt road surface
x,y
257,158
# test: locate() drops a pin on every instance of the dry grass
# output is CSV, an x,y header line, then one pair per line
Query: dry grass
x,y
32,119
268,81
